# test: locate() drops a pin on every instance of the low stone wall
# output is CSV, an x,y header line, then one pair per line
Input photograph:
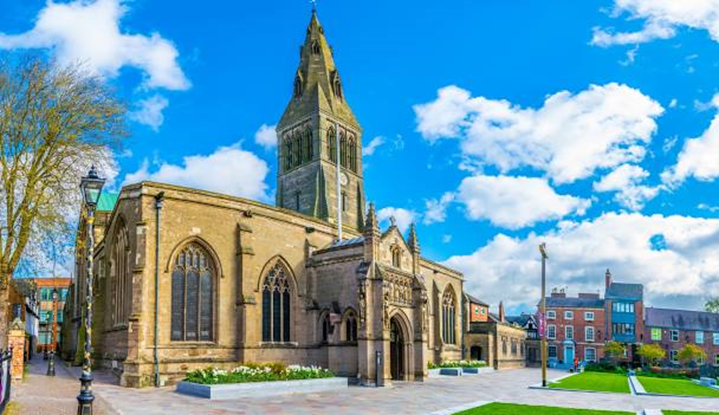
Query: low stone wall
x,y
260,389
458,371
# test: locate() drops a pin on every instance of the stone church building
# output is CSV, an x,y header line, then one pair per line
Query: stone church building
x,y
243,281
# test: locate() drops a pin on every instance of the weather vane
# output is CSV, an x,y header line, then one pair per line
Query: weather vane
x,y
314,5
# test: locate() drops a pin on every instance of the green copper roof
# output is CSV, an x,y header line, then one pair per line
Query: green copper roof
x,y
107,202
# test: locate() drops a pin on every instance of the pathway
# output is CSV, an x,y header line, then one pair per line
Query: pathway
x,y
39,394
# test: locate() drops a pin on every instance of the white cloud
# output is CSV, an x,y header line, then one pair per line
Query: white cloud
x,y
710,208
437,208
516,202
679,275
266,136
150,112
569,137
90,32
699,156
661,18
447,238
229,170
627,180
369,149
403,217
673,103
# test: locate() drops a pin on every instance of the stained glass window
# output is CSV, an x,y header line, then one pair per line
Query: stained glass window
x,y
192,295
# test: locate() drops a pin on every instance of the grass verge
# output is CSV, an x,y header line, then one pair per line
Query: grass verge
x,y
594,381
676,387
497,408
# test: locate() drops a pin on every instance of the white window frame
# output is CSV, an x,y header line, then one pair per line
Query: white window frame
x,y
674,335
715,338
567,330
587,330
716,359
673,355
569,315
586,349
589,316
556,351
651,334
549,336
551,314
699,337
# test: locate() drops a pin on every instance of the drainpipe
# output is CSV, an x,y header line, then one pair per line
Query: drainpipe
x,y
158,207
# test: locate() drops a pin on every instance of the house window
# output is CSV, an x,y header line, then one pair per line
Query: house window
x,y
551,314
192,295
448,332
552,351
590,354
716,359
276,305
569,333
551,332
569,315
656,334
589,316
589,334
673,355
700,337
623,307
351,327
675,335
716,339
623,328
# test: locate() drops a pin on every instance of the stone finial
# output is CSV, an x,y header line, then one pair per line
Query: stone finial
x,y
371,224
412,239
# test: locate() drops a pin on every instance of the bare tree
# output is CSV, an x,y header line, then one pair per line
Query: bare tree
x,y
54,122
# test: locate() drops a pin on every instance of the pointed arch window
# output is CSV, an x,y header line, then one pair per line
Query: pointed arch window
x,y
343,148
396,256
122,278
288,153
307,144
298,86
193,280
297,147
351,327
353,154
315,48
276,305
332,145
448,318
326,327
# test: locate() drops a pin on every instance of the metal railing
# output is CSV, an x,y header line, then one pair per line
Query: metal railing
x,y
5,378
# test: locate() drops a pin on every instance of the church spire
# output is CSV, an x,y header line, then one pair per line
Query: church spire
x,y
317,83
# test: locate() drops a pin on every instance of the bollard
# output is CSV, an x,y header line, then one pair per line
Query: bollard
x,y
51,364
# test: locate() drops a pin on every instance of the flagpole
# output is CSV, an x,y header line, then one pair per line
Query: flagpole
x,y
339,183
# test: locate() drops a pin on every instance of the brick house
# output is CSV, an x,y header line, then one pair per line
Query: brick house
x,y
493,337
575,328
674,329
625,314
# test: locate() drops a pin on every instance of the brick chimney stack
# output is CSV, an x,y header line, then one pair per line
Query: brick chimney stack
x,y
501,312
607,279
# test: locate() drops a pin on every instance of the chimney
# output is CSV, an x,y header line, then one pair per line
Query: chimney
x,y
607,279
501,312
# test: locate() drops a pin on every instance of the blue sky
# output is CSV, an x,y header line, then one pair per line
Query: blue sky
x,y
585,124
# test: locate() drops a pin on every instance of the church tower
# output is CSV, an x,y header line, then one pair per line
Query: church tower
x,y
316,116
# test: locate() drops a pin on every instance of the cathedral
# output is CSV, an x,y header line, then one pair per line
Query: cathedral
x,y
312,280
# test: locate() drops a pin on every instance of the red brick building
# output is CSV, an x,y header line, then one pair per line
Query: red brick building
x,y
575,328
674,329
51,311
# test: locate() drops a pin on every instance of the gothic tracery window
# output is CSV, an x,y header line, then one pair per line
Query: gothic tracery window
x,y
331,145
353,154
396,256
351,327
343,149
297,147
307,135
326,327
448,318
193,280
276,305
122,277
288,153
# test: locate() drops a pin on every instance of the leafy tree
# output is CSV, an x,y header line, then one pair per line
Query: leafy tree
x,y
614,350
652,353
712,305
54,122
691,353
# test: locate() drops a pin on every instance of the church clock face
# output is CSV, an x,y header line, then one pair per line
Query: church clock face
x,y
344,179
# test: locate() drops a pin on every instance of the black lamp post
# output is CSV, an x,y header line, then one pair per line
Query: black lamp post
x,y
91,186
51,362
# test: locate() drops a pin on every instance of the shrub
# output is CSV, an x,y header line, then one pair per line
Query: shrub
x,y
605,367
652,353
457,363
254,372
669,373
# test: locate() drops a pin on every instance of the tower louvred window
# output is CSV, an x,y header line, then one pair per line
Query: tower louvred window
x,y
315,47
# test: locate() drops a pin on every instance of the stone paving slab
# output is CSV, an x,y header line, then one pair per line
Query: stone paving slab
x,y
403,398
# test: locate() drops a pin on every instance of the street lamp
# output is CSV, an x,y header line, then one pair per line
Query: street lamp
x,y
91,187
51,362
543,312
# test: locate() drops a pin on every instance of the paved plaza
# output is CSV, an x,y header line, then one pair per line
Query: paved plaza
x,y
433,395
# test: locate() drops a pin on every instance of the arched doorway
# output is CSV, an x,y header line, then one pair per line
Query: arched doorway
x,y
475,353
396,350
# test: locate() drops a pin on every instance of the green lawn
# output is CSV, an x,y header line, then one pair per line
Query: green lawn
x,y
594,381
676,387
514,409
666,412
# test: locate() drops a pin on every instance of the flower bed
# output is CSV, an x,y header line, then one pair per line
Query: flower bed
x,y
252,372
456,363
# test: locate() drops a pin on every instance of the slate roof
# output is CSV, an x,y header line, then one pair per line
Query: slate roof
x,y
575,302
475,300
626,291
521,319
347,242
682,319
